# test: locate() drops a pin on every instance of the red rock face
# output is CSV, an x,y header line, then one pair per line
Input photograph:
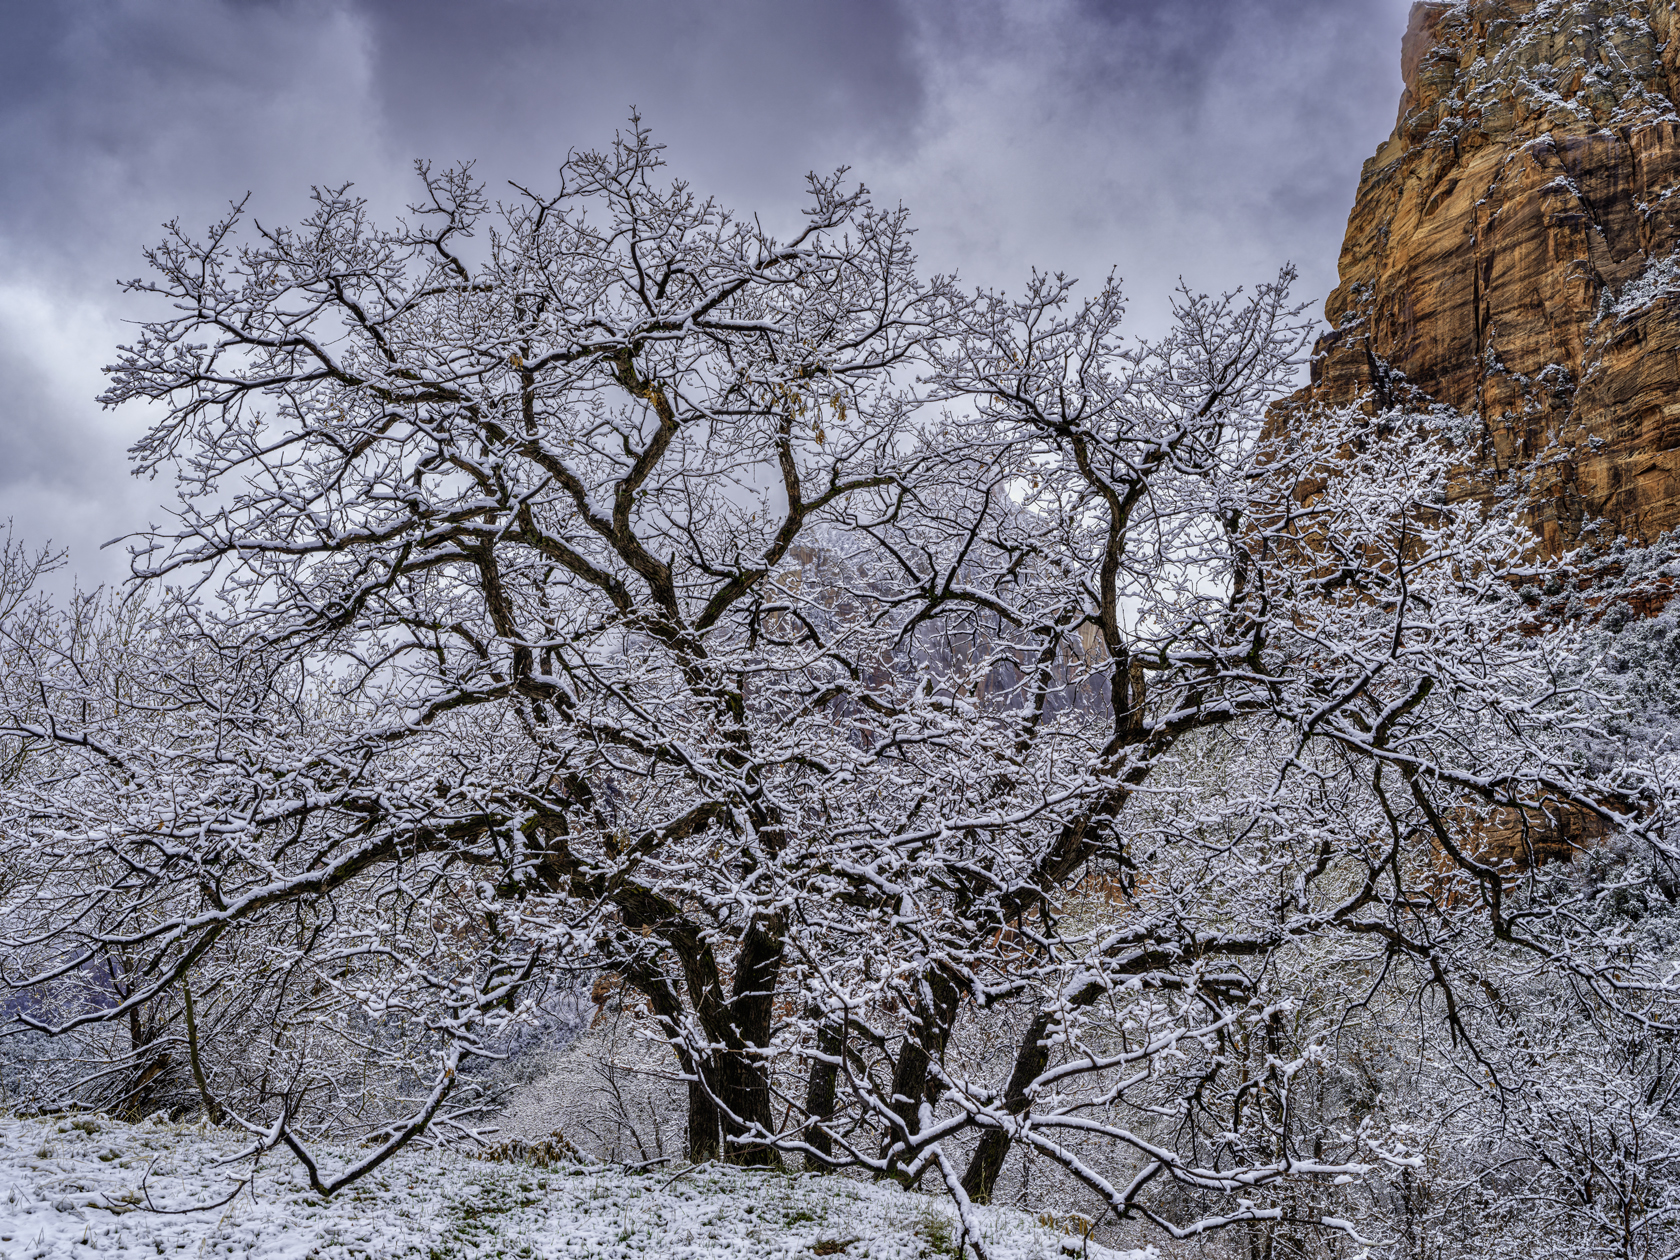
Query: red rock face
x,y
1511,255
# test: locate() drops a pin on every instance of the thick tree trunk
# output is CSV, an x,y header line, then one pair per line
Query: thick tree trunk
x,y
980,1179
147,1068
924,1043
820,1087
704,1141
743,1082
212,1108
705,1126
728,1090
147,1091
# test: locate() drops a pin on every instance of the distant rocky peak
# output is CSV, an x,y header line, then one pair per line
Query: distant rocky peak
x,y
1514,66
1511,255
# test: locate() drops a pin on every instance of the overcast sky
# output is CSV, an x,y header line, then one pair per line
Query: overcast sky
x,y
1216,139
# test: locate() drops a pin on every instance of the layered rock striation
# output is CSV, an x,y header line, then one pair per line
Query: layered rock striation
x,y
1512,255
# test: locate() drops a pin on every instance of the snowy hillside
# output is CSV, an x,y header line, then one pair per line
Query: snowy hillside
x,y
73,1186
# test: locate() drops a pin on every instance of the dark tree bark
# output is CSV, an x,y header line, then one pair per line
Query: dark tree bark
x,y
980,1179
705,1127
924,1044
743,1085
728,1090
820,1087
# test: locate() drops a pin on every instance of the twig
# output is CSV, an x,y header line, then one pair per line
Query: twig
x,y
202,1207
680,1175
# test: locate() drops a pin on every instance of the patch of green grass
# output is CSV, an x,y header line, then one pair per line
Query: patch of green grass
x,y
935,1230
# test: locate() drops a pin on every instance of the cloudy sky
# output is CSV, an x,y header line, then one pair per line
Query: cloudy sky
x,y
1214,139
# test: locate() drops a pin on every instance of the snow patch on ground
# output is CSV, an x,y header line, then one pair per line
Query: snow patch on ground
x,y
81,1185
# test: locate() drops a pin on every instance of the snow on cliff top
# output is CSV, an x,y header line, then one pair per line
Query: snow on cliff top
x,y
75,1186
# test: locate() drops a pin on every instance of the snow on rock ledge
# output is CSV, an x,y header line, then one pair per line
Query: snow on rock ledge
x,y
71,1187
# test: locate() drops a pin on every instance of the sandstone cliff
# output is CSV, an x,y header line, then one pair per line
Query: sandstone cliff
x,y
1512,253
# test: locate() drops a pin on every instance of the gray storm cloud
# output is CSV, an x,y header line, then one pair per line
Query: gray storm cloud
x,y
1210,138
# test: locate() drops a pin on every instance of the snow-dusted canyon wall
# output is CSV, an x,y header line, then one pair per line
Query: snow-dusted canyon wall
x,y
1512,252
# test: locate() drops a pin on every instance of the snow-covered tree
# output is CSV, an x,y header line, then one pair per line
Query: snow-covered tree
x,y
965,734
502,629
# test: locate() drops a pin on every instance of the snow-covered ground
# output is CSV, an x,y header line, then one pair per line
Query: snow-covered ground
x,y
76,1186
